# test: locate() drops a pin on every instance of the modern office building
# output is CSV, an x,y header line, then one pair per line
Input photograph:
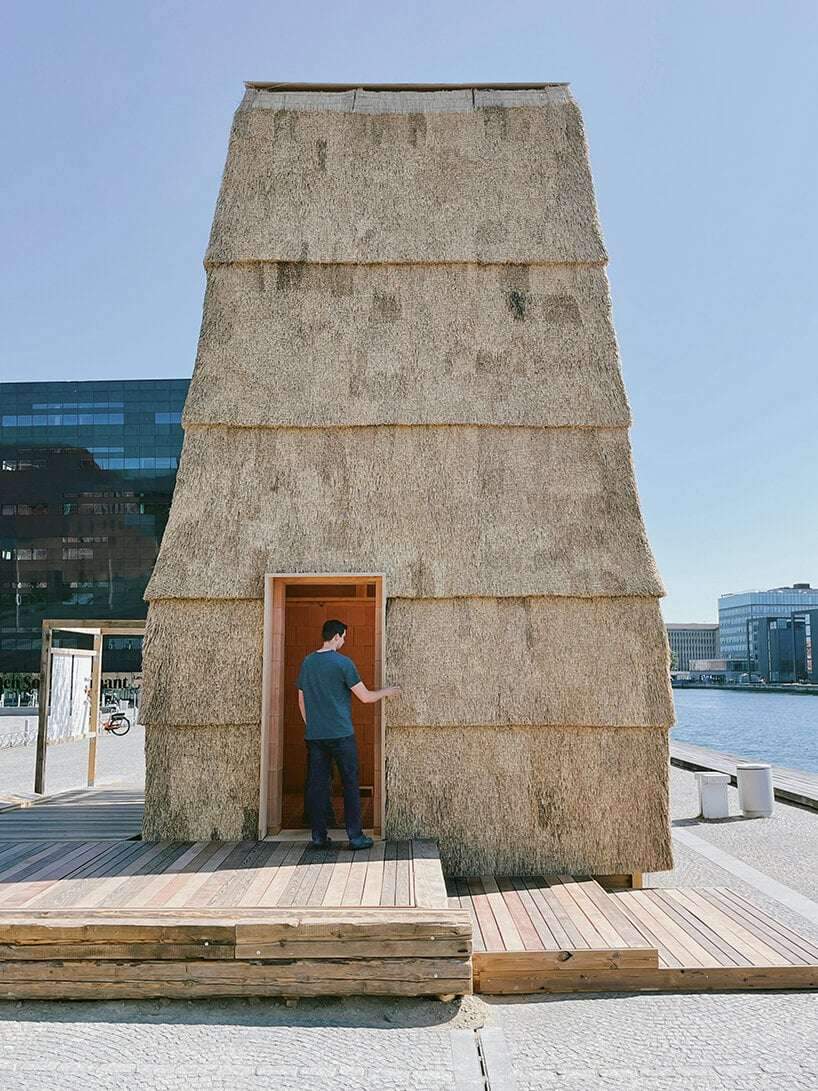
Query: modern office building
x,y
738,637
692,641
779,648
87,470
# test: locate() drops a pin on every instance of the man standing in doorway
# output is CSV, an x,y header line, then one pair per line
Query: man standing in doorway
x,y
325,682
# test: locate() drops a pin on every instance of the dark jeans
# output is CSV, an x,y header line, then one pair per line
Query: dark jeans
x,y
323,752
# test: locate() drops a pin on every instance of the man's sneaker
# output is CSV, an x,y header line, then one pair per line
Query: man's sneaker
x,y
325,844
362,842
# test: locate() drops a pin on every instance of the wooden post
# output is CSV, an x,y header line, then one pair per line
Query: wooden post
x,y
93,723
42,710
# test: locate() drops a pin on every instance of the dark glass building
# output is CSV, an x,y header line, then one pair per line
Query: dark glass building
x,y
87,471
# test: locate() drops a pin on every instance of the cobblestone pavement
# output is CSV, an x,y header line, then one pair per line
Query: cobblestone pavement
x,y
120,760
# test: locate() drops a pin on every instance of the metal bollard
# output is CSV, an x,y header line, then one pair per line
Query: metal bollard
x,y
755,789
713,795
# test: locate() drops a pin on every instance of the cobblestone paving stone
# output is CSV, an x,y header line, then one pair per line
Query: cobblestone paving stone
x,y
707,1041
363,1044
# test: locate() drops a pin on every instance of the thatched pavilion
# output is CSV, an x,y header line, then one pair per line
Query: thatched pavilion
x,y
407,411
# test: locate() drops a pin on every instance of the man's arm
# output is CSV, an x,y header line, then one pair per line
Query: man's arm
x,y
369,696
301,705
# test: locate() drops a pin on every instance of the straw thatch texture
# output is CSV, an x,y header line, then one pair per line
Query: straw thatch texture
x,y
528,661
202,662
532,800
344,344
201,783
442,511
492,182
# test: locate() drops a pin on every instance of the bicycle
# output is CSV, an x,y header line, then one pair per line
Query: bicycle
x,y
117,724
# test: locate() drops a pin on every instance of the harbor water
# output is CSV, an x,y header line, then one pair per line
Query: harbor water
x,y
781,728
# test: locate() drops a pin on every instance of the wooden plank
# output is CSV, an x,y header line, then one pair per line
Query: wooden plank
x,y
159,891
780,943
646,980
429,884
578,890
667,958
110,885
808,946
674,938
352,923
544,932
509,934
608,905
18,893
306,875
190,989
492,937
528,933
466,903
86,877
527,963
390,873
51,930
555,915
374,875
284,873
572,916
530,890
231,880
28,862
354,889
717,947
108,950
225,970
755,949
402,874
437,947
265,872
129,891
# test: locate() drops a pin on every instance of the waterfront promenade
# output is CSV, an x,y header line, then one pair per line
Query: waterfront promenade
x,y
698,1042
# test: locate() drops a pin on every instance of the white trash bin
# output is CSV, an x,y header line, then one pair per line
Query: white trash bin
x,y
713,794
755,789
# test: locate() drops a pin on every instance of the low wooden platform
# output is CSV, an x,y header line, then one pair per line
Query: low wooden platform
x,y
792,785
271,918
111,814
562,934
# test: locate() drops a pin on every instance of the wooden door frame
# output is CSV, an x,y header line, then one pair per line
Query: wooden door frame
x,y
272,690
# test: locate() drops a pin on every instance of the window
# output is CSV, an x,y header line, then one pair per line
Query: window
x,y
168,418
77,553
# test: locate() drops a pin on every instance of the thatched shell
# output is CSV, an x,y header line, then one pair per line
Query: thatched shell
x,y
444,512
487,181
201,783
525,801
459,662
344,344
528,661
201,662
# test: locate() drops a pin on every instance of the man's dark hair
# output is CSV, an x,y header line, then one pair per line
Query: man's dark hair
x,y
333,628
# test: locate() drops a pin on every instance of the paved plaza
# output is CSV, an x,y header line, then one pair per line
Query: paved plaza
x,y
668,1042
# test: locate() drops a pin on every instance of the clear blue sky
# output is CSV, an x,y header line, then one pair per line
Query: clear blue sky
x,y
703,127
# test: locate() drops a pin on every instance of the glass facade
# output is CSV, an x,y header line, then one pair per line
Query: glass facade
x,y
87,471
739,616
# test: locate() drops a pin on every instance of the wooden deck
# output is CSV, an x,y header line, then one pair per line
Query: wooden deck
x,y
99,814
255,918
563,934
792,785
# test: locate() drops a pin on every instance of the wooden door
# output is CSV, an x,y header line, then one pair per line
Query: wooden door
x,y
302,635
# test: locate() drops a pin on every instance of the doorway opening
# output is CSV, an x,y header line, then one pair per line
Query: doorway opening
x,y
295,608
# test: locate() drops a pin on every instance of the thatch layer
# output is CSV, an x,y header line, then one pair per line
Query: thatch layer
x,y
444,512
528,661
202,662
344,344
525,801
458,661
486,182
201,783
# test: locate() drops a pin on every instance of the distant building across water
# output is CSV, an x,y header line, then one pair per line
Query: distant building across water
x,y
692,641
770,632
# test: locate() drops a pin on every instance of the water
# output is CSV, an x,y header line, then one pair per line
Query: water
x,y
781,728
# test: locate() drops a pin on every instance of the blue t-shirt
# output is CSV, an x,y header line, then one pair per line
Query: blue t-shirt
x,y
326,679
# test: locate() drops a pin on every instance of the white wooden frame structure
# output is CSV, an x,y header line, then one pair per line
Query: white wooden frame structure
x,y
98,629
